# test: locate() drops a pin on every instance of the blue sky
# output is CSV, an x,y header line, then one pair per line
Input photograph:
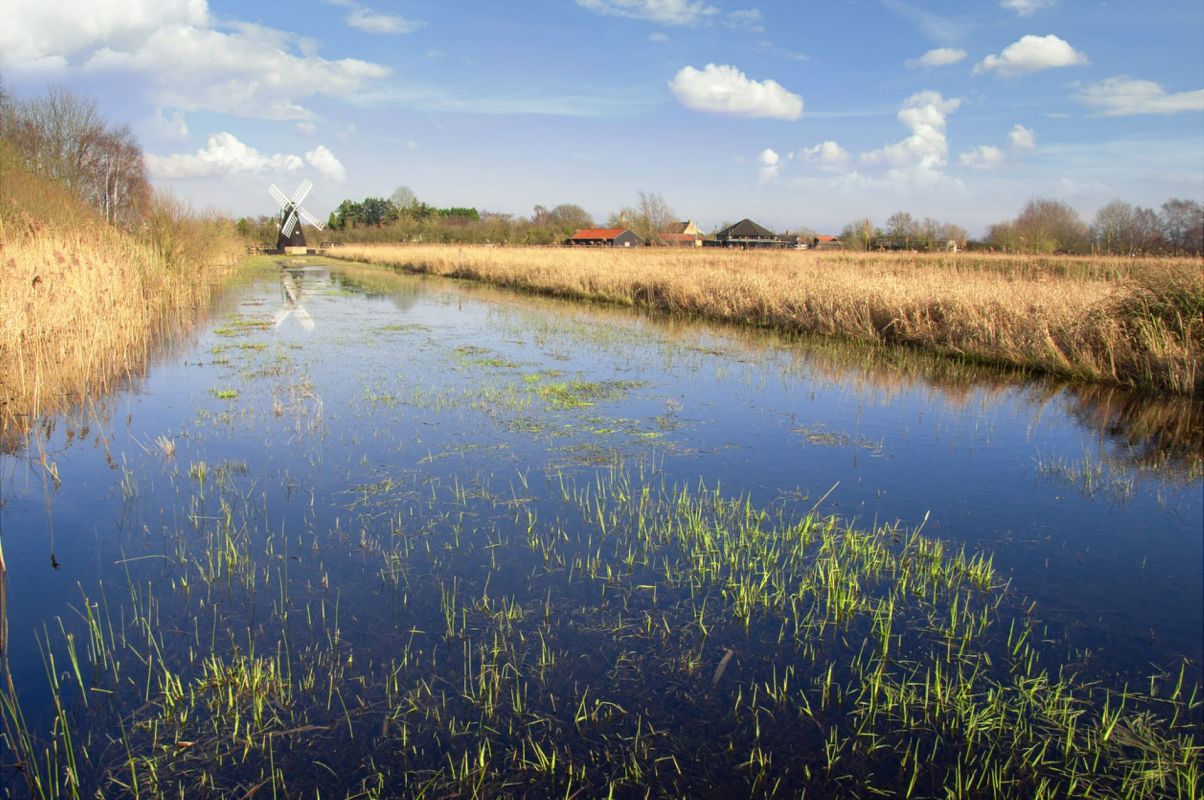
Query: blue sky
x,y
792,113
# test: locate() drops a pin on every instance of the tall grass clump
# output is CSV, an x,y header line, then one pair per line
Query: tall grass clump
x,y
1160,316
1121,321
81,299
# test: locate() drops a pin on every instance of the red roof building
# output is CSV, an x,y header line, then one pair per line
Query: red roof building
x,y
605,237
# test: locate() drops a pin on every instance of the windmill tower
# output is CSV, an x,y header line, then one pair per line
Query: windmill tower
x,y
291,214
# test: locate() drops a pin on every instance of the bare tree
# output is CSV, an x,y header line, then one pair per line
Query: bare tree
x,y
655,217
403,198
901,227
1183,225
1049,226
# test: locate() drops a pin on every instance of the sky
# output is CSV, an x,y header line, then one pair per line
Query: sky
x,y
794,113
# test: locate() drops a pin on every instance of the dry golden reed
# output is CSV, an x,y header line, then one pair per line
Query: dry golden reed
x,y
81,301
1122,321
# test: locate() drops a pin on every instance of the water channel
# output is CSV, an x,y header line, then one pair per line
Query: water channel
x,y
406,512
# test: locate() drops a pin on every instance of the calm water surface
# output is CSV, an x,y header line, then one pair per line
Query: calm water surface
x,y
335,411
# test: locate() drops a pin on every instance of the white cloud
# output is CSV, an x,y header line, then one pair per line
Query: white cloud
x,y
1022,138
225,155
658,37
922,155
666,12
325,162
771,165
938,57
372,22
749,20
1031,54
306,128
242,69
1123,96
1026,8
828,156
985,156
723,89
46,34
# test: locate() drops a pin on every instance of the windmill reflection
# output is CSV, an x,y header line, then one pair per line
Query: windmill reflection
x,y
297,286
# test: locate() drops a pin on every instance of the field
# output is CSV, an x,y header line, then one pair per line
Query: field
x,y
1132,322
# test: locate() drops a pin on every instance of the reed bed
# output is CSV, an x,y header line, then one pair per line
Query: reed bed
x,y
1123,321
81,301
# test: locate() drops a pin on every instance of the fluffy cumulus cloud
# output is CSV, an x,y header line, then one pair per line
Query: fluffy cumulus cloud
x,y
325,163
938,57
1026,8
225,155
372,22
923,154
985,156
771,165
666,12
828,156
1022,138
46,35
1124,96
237,68
1032,54
723,89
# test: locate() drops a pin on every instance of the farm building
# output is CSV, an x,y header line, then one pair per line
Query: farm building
x,y
745,234
605,237
821,242
682,234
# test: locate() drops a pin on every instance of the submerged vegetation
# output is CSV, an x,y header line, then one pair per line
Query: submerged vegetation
x,y
669,641
1133,322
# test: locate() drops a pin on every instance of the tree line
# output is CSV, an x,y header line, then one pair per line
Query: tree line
x,y
903,232
1051,226
61,136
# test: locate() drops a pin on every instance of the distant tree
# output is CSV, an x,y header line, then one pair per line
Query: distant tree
x,y
1148,229
1004,236
374,211
1115,229
648,219
403,197
901,227
1183,225
950,233
347,214
858,235
1044,226
569,217
655,217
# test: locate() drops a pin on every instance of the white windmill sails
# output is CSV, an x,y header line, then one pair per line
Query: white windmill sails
x,y
291,208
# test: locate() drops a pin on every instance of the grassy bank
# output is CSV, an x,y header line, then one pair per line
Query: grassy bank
x,y
81,300
1130,322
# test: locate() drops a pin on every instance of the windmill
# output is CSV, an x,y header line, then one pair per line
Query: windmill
x,y
291,234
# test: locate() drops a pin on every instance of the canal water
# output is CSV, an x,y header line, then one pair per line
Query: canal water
x,y
358,480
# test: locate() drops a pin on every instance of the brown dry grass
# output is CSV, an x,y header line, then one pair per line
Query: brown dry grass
x,y
1123,321
81,301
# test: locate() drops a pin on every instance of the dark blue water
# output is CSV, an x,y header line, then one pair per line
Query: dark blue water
x,y
336,404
